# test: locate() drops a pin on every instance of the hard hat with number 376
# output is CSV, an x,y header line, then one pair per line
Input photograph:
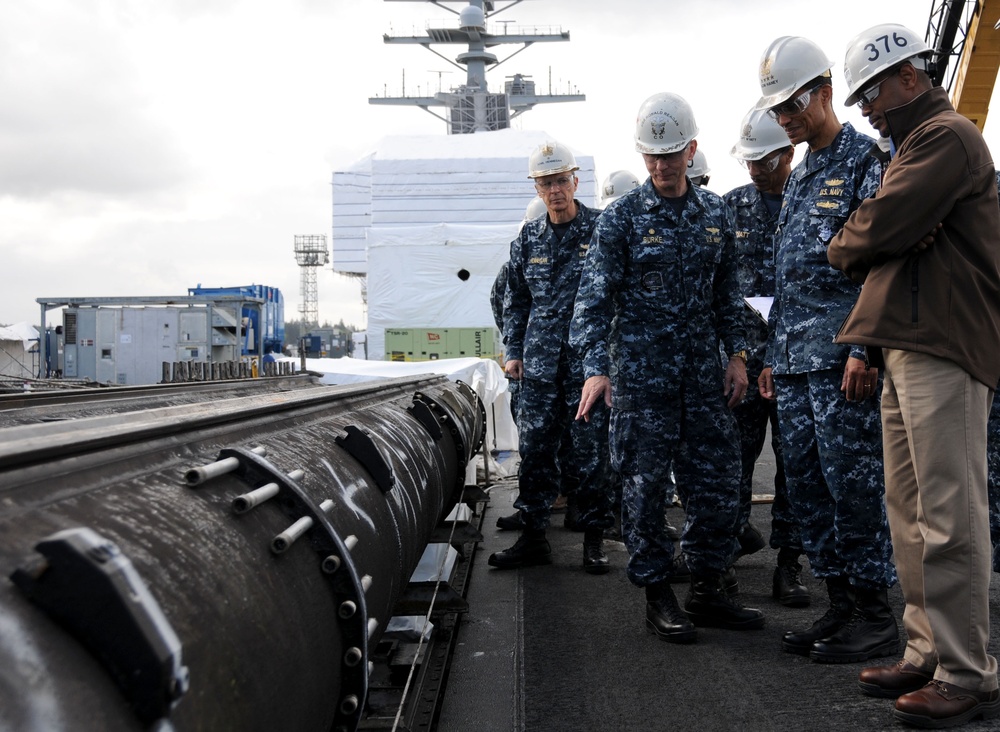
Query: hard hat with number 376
x,y
878,49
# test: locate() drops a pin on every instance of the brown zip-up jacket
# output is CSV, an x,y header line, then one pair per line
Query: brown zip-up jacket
x,y
945,300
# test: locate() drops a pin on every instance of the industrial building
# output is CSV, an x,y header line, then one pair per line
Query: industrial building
x,y
132,340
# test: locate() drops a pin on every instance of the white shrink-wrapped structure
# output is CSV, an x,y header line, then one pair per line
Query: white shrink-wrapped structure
x,y
429,219
15,351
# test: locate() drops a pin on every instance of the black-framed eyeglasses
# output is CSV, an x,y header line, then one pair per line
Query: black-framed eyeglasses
x,y
869,95
794,106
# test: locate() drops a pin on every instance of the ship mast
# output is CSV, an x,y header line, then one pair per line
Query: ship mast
x,y
471,107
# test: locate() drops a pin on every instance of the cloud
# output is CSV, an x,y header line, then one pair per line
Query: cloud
x,y
74,118
147,146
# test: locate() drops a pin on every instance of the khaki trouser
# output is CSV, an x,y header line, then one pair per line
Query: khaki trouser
x,y
934,431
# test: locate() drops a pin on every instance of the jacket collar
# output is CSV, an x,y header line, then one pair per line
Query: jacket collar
x,y
652,200
905,118
839,149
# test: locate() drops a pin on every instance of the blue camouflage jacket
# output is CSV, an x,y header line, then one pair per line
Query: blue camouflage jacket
x,y
542,279
811,298
658,295
755,229
497,293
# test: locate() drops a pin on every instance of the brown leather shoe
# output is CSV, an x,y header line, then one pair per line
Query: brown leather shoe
x,y
889,682
940,704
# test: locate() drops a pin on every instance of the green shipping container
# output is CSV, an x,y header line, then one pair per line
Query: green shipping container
x,y
431,344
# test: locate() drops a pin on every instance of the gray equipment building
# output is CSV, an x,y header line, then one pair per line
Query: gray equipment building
x,y
126,341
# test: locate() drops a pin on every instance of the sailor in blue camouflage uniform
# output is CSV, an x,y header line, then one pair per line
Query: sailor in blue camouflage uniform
x,y
546,259
497,293
828,408
765,150
658,296
616,185
534,209
993,465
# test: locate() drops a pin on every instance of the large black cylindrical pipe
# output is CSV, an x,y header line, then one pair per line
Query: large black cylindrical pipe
x,y
274,604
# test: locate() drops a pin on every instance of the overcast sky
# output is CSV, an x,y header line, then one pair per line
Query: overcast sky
x,y
148,146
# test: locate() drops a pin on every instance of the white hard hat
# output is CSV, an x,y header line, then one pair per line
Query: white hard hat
x,y
698,165
759,135
550,158
665,124
535,209
788,64
877,49
617,185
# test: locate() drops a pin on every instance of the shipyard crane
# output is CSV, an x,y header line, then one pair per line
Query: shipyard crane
x,y
964,36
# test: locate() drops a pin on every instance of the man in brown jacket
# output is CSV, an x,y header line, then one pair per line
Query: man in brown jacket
x,y
932,313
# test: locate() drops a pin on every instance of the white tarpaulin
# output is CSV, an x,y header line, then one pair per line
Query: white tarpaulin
x,y
15,346
416,180
432,276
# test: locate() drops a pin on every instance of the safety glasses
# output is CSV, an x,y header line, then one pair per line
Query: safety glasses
x,y
563,182
794,106
869,95
768,164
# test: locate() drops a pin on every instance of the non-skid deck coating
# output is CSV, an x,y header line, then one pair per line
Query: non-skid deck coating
x,y
550,648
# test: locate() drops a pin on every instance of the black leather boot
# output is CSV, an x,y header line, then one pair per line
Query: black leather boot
x,y
708,604
750,539
595,561
870,633
841,607
730,581
787,587
681,573
530,548
513,522
664,617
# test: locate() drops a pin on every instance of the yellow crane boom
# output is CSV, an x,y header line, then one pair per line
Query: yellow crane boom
x,y
977,71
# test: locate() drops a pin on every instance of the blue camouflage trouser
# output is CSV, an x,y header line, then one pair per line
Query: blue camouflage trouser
x,y
561,453
514,389
993,481
836,481
752,417
698,433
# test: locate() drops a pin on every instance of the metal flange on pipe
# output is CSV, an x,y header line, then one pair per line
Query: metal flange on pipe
x,y
225,564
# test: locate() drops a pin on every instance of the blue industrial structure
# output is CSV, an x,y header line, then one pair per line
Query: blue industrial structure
x,y
265,323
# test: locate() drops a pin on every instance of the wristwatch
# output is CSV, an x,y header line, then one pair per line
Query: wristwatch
x,y
742,355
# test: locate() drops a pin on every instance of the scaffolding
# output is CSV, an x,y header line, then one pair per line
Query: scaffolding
x,y
311,253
